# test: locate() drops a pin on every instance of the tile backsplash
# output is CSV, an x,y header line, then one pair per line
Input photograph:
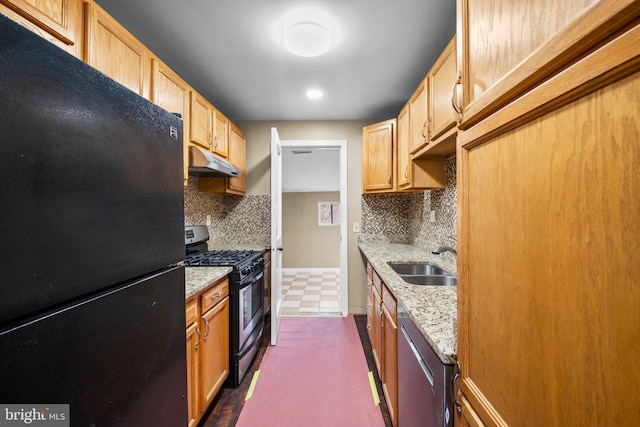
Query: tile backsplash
x,y
406,216
230,215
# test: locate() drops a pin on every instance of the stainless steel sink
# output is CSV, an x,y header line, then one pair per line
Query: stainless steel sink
x,y
423,274
430,280
419,269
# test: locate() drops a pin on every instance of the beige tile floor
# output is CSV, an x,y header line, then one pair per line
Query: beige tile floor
x,y
311,291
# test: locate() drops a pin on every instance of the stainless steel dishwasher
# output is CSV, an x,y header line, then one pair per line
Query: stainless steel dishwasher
x,y
424,382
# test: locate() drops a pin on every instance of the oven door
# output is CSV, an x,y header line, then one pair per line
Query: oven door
x,y
250,301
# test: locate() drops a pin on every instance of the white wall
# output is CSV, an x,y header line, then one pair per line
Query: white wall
x,y
312,169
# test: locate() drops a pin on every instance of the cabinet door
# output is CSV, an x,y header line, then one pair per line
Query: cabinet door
x,y
390,363
377,343
110,48
418,114
378,157
170,92
547,289
200,121
404,156
237,156
58,21
193,343
214,352
442,78
220,134
543,38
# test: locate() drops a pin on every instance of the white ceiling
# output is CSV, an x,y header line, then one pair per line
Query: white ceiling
x,y
226,50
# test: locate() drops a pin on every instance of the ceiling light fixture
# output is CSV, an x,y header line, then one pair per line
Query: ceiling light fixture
x,y
307,39
314,94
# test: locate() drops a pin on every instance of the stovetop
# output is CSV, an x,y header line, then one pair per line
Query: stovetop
x,y
223,258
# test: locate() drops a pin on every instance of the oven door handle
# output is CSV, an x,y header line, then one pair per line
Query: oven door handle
x,y
246,349
253,280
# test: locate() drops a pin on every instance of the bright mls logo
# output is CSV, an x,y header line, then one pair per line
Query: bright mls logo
x,y
37,415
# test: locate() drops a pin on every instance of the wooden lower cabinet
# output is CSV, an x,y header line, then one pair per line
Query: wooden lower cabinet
x,y
207,347
548,263
382,325
193,347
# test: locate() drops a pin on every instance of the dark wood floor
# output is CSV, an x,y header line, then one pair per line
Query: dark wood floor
x,y
225,409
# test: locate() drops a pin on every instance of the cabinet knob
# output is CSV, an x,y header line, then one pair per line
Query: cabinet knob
x,y
216,296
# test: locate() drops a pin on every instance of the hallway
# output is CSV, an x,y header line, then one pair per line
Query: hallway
x,y
311,291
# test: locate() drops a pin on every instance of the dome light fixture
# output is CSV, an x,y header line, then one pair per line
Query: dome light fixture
x,y
307,39
314,94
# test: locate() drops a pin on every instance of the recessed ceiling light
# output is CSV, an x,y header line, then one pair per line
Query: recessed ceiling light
x,y
307,39
314,94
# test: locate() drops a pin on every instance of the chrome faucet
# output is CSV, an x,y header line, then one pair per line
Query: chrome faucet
x,y
444,248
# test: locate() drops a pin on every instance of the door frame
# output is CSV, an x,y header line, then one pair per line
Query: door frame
x,y
344,261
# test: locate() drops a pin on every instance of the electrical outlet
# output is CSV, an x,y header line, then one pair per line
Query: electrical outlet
x,y
356,227
208,220
432,216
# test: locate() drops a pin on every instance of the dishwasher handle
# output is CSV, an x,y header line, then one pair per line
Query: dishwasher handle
x,y
425,368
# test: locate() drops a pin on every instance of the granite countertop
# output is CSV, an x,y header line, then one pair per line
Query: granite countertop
x,y
199,278
432,308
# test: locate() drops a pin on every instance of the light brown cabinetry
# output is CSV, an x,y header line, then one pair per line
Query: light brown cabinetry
x,y
390,357
382,325
214,354
379,157
220,134
549,180
418,107
416,174
442,120
237,156
110,48
200,121
442,78
207,347
170,92
404,155
193,346
59,21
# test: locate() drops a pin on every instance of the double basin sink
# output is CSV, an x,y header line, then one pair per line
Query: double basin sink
x,y
423,274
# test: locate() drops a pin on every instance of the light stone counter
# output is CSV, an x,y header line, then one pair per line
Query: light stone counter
x,y
432,308
198,278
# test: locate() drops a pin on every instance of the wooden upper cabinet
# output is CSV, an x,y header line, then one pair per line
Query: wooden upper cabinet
x,y
200,122
170,92
404,156
59,21
506,47
419,117
379,157
220,134
238,156
110,48
442,78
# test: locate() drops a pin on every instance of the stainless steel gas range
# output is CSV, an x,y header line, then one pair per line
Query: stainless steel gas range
x,y
246,322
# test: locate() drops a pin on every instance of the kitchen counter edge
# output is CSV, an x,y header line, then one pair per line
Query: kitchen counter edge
x,y
432,308
199,278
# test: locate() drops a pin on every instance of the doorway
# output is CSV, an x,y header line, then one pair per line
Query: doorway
x,y
314,207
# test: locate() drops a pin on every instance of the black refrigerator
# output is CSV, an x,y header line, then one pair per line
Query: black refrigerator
x,y
92,238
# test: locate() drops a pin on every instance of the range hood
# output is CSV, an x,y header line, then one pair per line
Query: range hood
x,y
205,164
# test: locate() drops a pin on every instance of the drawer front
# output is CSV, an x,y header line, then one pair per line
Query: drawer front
x,y
377,282
390,302
215,294
192,311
